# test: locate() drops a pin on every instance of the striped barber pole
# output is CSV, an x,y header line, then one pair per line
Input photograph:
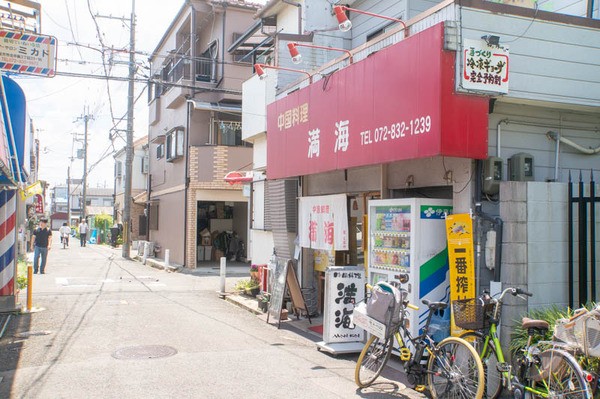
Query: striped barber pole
x,y
7,242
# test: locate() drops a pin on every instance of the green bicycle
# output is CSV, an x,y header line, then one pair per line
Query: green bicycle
x,y
541,370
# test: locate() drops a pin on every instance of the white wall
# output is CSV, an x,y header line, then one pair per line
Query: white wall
x,y
531,138
549,61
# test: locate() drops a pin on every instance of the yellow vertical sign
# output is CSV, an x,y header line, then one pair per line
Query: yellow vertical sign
x,y
459,231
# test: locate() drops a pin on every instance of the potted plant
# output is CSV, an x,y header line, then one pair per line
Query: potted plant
x,y
263,302
254,272
248,287
252,288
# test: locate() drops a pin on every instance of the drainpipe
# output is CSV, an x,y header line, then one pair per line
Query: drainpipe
x,y
187,184
556,155
499,135
299,6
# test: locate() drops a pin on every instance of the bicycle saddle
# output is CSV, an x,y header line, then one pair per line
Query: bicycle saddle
x,y
528,323
434,305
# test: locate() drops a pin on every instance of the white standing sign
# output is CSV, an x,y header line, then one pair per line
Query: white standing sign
x,y
344,287
485,67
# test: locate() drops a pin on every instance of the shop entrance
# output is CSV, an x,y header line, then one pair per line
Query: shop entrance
x,y
221,231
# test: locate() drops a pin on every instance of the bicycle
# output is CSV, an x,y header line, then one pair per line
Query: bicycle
x,y
65,241
453,368
542,370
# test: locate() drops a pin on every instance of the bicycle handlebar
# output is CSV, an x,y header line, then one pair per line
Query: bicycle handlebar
x,y
514,292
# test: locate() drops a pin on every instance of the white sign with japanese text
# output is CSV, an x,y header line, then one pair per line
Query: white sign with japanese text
x,y
344,287
324,222
27,53
485,67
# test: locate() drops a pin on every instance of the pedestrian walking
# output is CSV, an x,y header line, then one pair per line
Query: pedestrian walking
x,y
41,242
83,229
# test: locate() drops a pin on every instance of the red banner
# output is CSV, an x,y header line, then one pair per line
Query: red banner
x,y
38,202
397,104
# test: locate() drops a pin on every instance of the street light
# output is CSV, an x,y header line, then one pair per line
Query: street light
x,y
297,57
345,24
260,71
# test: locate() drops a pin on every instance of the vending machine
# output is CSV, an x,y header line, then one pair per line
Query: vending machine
x,y
409,236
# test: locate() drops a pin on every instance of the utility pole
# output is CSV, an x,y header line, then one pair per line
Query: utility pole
x,y
86,118
69,195
129,145
129,136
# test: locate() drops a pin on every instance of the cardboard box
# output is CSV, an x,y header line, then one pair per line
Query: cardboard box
x,y
218,255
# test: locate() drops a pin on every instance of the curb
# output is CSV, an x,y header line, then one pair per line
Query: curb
x,y
158,265
231,299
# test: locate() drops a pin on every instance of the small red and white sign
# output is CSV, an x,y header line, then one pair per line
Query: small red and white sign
x,y
38,202
485,67
324,222
27,53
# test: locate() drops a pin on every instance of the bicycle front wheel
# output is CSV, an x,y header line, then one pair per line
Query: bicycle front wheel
x,y
454,370
372,359
489,359
559,376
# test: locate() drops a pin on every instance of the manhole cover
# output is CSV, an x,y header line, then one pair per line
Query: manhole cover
x,y
144,352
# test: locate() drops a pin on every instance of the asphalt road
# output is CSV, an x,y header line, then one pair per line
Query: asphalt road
x,y
114,328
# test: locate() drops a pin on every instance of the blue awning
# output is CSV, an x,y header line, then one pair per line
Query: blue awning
x,y
14,135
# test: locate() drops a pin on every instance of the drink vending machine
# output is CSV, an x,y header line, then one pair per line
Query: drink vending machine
x,y
409,236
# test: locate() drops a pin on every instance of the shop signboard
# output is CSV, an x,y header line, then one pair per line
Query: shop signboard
x,y
397,104
344,287
459,232
323,222
39,204
26,53
485,67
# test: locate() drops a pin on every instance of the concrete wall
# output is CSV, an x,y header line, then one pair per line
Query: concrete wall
x,y
169,235
535,246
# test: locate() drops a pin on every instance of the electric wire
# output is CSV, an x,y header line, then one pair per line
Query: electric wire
x,y
71,25
102,52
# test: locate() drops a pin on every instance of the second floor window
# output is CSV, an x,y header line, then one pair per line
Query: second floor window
x,y
175,144
228,133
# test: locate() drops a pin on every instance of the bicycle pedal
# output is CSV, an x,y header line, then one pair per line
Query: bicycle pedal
x,y
503,367
405,354
420,388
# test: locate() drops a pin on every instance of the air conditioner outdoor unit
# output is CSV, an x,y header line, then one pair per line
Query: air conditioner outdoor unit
x,y
145,164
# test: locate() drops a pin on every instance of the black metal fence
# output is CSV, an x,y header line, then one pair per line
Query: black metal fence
x,y
586,243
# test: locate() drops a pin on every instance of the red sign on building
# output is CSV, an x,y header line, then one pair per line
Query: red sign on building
x,y
38,202
397,104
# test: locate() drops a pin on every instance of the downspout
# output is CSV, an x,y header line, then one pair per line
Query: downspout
x,y
499,136
187,184
223,46
556,155
299,6
588,151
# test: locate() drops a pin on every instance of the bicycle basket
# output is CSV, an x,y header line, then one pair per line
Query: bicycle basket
x,y
571,332
471,314
385,304
592,335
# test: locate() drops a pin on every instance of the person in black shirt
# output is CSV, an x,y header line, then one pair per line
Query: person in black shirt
x,y
41,242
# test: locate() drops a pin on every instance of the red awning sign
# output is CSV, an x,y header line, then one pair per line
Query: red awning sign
x,y
396,104
238,177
